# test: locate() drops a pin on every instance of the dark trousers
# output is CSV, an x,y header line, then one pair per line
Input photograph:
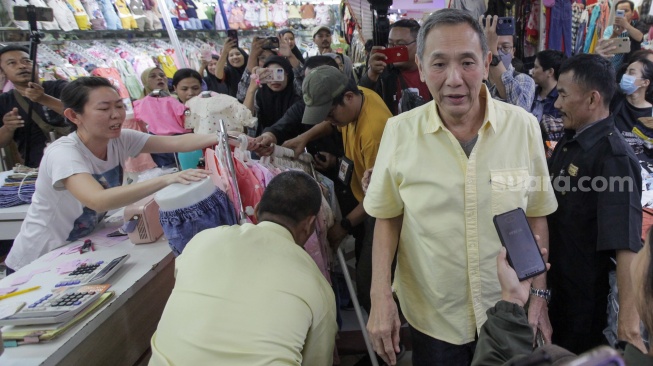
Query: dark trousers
x,y
428,351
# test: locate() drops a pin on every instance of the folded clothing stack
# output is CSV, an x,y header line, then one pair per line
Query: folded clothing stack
x,y
18,189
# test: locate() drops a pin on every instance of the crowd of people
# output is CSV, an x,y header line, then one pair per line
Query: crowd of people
x,y
423,154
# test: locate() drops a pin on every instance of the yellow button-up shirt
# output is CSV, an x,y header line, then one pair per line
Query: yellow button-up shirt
x,y
246,295
446,269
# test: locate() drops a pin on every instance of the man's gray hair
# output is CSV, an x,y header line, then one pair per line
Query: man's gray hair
x,y
450,17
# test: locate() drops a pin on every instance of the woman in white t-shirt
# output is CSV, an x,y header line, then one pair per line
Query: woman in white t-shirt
x,y
81,174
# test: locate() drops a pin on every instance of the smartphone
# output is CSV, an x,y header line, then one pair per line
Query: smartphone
x,y
233,34
523,252
620,13
395,54
42,14
271,43
505,26
270,74
622,45
599,356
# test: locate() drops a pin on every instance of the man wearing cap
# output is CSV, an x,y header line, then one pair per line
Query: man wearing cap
x,y
443,171
360,114
322,38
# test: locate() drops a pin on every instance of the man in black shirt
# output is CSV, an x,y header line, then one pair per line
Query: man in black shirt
x,y
598,185
47,110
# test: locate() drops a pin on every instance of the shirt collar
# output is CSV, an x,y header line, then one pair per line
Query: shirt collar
x,y
276,228
434,122
553,94
592,133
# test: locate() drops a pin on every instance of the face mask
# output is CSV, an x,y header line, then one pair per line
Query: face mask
x,y
627,84
506,58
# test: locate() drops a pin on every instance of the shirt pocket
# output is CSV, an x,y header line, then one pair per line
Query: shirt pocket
x,y
509,189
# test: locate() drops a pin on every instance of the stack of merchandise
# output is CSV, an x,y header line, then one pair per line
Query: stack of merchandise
x,y
18,188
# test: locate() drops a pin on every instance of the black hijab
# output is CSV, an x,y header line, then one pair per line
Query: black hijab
x,y
213,83
273,105
233,74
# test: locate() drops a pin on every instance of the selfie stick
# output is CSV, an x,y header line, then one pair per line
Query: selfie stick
x,y
34,40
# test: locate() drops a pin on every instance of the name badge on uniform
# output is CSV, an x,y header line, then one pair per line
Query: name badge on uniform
x,y
572,170
345,171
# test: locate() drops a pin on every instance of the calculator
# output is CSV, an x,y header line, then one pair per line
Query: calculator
x,y
59,306
88,274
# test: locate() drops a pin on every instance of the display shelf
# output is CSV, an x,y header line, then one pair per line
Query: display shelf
x,y
53,36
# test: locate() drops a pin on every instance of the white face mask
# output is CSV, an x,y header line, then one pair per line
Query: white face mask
x,y
627,84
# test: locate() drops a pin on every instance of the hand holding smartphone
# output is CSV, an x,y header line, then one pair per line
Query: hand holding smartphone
x,y
233,35
523,252
270,74
505,26
394,54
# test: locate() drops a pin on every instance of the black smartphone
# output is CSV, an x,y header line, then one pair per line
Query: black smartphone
x,y
505,26
42,14
233,34
523,252
271,43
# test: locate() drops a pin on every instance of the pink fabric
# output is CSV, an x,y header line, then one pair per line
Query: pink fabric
x,y
8,86
163,115
251,189
114,77
258,173
143,161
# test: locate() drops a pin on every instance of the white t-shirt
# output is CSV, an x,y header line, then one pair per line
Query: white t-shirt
x,y
55,216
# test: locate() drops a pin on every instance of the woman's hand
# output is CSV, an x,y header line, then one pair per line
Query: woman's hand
x,y
186,176
229,45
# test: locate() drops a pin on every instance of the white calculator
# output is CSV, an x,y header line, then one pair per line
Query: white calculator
x,y
97,272
57,307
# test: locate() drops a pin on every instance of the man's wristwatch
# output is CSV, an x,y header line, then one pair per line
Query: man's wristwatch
x,y
346,224
545,294
495,60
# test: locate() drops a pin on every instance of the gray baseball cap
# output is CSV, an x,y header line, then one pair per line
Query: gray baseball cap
x,y
320,87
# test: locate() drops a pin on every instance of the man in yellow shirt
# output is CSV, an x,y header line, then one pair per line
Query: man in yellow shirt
x,y
360,115
251,295
443,171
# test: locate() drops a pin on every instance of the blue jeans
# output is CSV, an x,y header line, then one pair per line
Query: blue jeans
x,y
428,351
181,225
560,33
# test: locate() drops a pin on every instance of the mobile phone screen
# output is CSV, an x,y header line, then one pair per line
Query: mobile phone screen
x,y
523,252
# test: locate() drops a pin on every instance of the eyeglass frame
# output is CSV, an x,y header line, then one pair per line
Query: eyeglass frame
x,y
400,44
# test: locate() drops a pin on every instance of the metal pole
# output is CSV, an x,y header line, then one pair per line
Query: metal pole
x,y
357,308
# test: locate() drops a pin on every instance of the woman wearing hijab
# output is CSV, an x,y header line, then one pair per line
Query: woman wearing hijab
x,y
152,79
231,65
289,37
212,82
268,101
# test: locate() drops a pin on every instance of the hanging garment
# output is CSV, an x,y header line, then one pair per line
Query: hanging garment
x,y
137,9
293,12
263,14
322,14
307,11
582,29
206,113
152,15
279,14
82,19
110,15
128,75
167,65
113,76
126,17
251,15
63,15
591,29
95,14
163,115
237,18
251,189
560,30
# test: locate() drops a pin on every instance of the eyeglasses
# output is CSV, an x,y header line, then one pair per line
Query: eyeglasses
x,y
396,44
506,49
